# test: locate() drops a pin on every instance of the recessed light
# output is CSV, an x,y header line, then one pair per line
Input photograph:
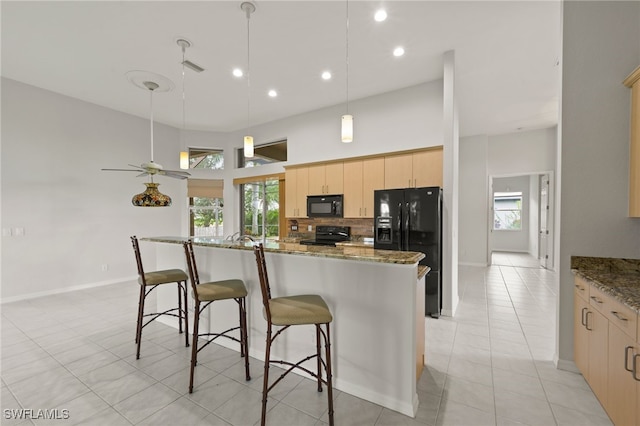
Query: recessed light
x,y
237,72
398,51
273,93
326,75
380,15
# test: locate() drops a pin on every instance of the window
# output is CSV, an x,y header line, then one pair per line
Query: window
x,y
202,158
264,154
507,211
205,207
205,217
260,209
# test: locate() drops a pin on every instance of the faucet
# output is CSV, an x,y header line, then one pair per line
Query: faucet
x,y
232,237
246,237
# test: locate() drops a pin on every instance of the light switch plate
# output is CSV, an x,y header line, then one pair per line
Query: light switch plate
x,y
309,227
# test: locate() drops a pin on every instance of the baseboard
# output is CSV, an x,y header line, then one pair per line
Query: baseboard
x,y
479,264
566,365
65,290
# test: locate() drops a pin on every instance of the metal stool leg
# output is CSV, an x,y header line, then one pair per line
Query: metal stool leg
x,y
328,371
244,345
184,312
265,384
319,358
194,348
140,318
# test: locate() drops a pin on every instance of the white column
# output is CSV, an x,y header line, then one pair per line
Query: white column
x,y
450,191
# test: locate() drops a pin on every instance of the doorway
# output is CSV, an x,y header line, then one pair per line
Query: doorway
x,y
521,220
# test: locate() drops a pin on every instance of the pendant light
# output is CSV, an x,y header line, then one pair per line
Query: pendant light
x,y
248,9
184,154
151,197
347,119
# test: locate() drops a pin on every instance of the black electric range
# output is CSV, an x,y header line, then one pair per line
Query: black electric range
x,y
329,235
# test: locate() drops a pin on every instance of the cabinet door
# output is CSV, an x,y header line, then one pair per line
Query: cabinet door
x,y
580,335
353,184
296,182
291,192
302,178
427,168
598,327
334,178
634,153
316,180
373,178
398,171
622,388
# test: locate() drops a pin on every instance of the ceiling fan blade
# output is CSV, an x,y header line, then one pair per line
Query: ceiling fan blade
x,y
121,170
170,174
177,172
142,174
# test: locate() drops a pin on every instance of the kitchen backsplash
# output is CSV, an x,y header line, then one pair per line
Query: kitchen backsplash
x,y
360,228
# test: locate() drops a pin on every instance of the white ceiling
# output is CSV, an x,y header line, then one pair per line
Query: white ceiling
x,y
506,56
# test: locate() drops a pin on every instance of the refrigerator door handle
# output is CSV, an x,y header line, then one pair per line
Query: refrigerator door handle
x,y
400,226
406,227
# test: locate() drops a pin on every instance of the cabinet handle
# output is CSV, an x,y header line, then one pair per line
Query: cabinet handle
x,y
626,359
617,315
365,211
409,183
587,321
415,183
579,287
595,299
635,370
360,212
583,320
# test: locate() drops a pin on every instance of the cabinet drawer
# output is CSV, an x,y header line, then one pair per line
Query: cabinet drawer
x,y
616,312
581,288
599,300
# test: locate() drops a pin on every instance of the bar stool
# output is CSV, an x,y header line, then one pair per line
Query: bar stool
x,y
206,294
309,309
148,282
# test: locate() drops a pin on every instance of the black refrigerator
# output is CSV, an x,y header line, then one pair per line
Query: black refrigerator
x,y
411,220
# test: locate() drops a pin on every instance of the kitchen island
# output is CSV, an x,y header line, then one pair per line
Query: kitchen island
x,y
376,298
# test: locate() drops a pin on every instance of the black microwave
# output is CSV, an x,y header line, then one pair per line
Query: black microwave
x,y
324,205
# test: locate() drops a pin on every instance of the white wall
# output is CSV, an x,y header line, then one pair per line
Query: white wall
x,y
517,241
534,214
78,218
474,220
481,157
601,45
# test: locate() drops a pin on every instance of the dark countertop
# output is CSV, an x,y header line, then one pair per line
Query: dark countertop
x,y
619,278
365,254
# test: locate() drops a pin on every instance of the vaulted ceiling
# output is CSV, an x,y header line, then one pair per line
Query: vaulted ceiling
x,y
507,55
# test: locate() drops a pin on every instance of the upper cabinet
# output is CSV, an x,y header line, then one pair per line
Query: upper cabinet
x,y
413,170
296,186
326,179
633,82
361,178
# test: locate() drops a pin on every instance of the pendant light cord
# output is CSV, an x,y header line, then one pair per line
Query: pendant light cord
x,y
183,99
151,120
248,12
347,55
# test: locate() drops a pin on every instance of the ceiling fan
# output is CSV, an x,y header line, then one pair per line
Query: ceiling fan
x,y
152,168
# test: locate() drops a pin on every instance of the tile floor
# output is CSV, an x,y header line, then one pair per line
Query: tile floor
x,y
491,364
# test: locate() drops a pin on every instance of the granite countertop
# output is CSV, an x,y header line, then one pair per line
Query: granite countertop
x,y
359,253
619,278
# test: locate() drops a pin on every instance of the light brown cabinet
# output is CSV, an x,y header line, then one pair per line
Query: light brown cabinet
x,y
414,170
633,82
296,187
607,351
622,388
361,179
326,179
427,168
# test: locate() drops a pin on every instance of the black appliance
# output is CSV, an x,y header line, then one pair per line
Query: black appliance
x,y
324,205
329,235
411,220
